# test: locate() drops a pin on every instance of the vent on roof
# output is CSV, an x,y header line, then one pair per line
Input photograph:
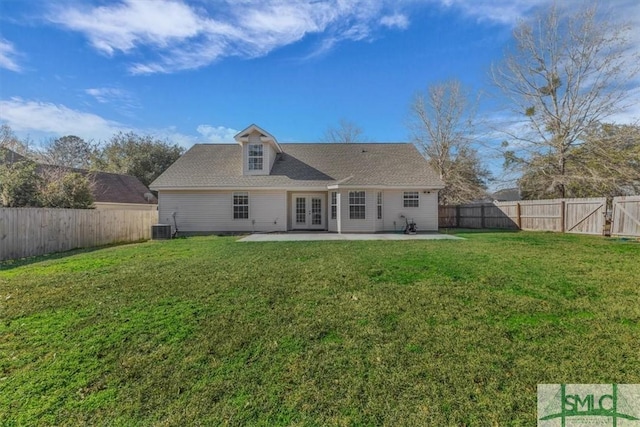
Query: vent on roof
x,y
160,231
148,196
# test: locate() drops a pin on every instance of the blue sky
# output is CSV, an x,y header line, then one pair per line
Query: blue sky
x,y
200,70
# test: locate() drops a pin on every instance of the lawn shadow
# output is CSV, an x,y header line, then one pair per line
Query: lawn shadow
x,y
10,264
453,230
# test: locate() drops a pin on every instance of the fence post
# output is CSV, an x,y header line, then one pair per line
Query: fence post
x,y
518,216
457,216
562,216
482,215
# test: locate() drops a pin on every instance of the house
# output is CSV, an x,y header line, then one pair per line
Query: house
x,y
507,195
121,192
109,190
260,185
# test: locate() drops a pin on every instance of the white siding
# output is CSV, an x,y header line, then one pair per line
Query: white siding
x,y
425,216
270,157
367,225
212,211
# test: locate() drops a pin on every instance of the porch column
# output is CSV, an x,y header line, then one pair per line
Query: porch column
x,y
339,212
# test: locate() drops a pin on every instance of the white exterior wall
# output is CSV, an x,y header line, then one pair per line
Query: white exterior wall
x,y
367,225
425,216
212,211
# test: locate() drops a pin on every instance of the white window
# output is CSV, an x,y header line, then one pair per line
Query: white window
x,y
379,204
357,205
334,204
411,199
241,205
255,157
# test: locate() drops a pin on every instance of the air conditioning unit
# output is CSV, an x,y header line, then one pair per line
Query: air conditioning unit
x,y
160,231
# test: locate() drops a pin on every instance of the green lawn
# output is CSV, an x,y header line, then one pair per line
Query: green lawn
x,y
208,331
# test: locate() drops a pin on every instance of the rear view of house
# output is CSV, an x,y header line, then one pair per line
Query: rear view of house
x,y
259,184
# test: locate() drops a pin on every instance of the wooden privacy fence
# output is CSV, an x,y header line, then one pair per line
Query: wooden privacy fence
x,y
486,215
583,216
625,216
34,231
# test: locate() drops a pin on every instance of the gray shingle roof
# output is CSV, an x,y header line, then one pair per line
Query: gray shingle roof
x,y
302,165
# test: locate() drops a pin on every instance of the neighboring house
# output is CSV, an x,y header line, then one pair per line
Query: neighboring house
x,y
123,192
507,195
109,190
9,156
259,184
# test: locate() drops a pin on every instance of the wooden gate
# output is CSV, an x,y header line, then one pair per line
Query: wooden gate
x,y
625,218
585,216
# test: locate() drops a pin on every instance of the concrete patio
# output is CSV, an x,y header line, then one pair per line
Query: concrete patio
x,y
297,236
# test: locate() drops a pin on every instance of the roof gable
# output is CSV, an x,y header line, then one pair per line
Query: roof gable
x,y
9,156
243,137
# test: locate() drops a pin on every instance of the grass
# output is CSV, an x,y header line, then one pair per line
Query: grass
x,y
207,331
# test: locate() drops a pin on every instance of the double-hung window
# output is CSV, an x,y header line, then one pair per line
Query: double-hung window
x,y
357,206
334,204
241,205
256,157
411,199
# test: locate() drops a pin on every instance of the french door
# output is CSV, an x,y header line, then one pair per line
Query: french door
x,y
308,212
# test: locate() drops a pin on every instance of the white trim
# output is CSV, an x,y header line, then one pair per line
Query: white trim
x,y
362,205
243,136
385,187
332,205
406,199
310,189
308,206
233,205
255,157
243,188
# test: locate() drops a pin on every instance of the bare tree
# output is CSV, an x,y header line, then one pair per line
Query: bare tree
x,y
442,127
70,151
9,141
565,76
346,132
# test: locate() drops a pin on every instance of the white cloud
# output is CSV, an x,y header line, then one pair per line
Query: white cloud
x,y
183,36
123,26
122,100
397,20
217,134
500,11
8,56
42,119
39,120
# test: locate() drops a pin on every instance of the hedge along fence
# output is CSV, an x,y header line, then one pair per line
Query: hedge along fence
x,y
582,216
28,232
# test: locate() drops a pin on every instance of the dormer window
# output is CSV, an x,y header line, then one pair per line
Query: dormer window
x,y
256,157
